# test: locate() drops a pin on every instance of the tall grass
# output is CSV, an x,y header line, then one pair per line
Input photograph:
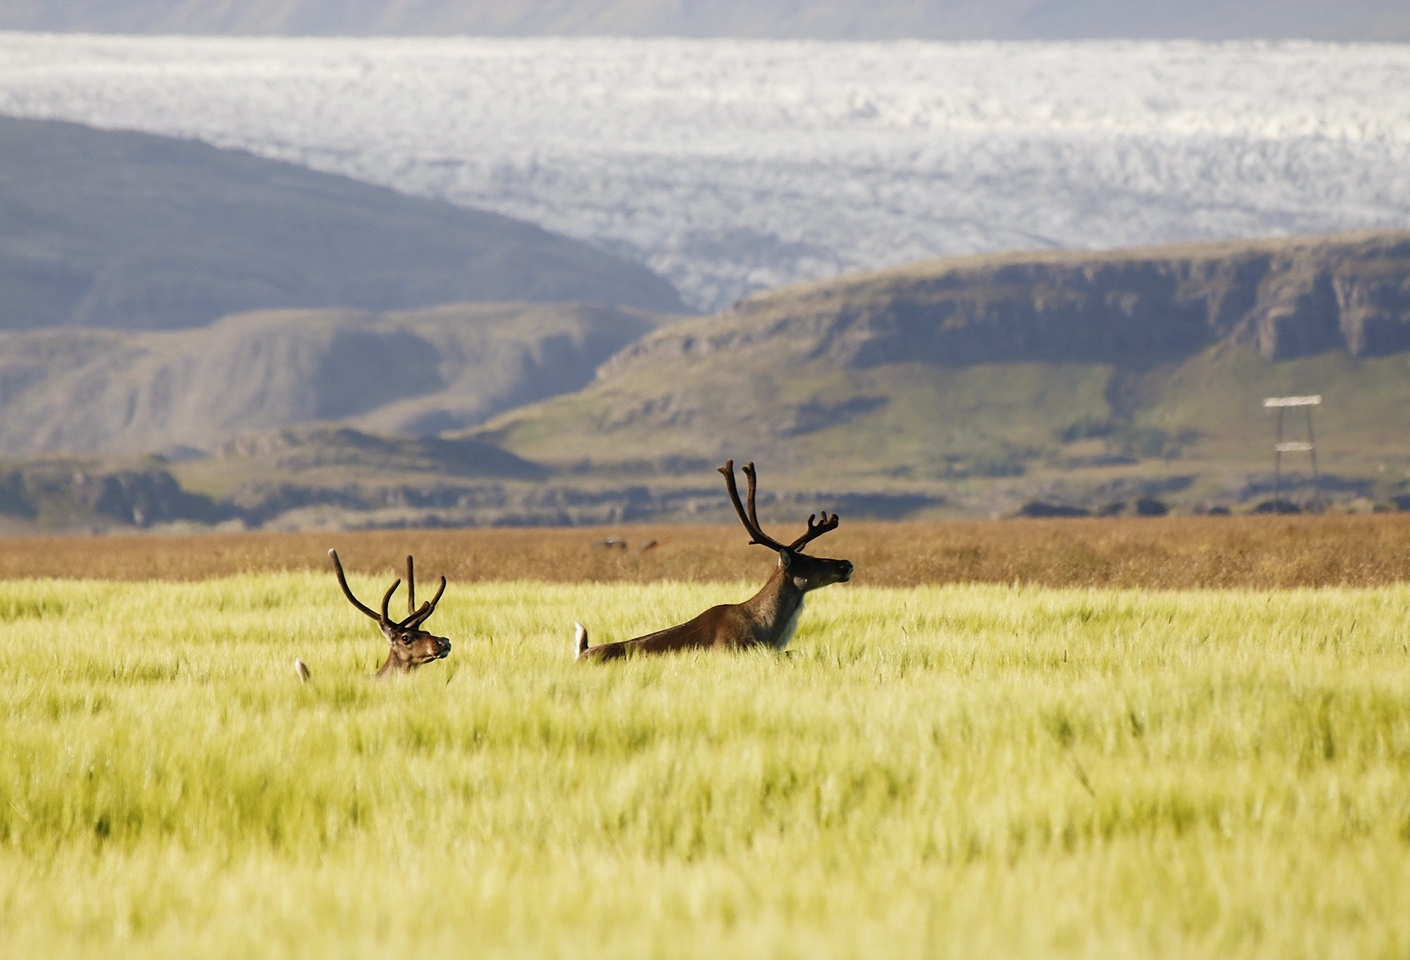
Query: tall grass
x,y
967,771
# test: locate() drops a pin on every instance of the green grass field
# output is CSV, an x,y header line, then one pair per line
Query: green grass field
x,y
968,771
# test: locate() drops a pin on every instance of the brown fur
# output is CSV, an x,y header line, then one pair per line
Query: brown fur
x,y
766,619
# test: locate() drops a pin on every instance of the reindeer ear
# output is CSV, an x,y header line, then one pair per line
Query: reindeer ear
x,y
785,558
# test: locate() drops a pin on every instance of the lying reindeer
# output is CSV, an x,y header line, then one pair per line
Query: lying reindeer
x,y
768,619
410,645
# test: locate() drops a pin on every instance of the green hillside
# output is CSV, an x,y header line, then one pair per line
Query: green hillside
x,y
971,387
915,421
1066,375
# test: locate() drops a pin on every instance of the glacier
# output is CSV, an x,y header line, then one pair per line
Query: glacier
x,y
733,166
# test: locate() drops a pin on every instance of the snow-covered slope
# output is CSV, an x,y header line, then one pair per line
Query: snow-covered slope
x,y
732,166
828,20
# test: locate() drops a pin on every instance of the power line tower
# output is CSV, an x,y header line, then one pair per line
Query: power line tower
x,y
1281,404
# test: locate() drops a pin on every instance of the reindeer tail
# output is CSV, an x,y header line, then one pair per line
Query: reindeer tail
x,y
581,643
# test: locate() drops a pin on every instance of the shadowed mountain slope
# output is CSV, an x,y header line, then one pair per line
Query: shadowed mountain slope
x,y
415,372
841,19
1000,365
131,231
978,386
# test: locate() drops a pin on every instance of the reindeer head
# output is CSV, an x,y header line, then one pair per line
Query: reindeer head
x,y
807,573
410,645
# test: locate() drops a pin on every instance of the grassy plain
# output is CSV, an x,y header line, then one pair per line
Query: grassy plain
x,y
965,770
1171,553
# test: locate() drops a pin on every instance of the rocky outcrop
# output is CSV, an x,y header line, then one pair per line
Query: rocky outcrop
x,y
62,495
1288,298
1373,306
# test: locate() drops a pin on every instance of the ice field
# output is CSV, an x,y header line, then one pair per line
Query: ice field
x,y
732,166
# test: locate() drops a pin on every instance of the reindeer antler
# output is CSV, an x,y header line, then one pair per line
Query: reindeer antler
x,y
420,616
753,479
751,524
417,616
428,608
387,600
343,582
824,525
750,517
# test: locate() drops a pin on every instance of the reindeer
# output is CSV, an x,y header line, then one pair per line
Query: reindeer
x,y
410,645
768,619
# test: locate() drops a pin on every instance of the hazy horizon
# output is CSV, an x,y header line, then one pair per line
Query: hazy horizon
x,y
1358,20
734,166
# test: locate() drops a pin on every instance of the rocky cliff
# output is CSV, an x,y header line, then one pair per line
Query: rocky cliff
x,y
1284,298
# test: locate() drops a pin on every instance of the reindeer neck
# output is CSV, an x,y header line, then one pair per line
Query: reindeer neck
x,y
774,609
388,669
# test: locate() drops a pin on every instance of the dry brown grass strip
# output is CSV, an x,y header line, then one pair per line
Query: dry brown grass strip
x,y
1169,553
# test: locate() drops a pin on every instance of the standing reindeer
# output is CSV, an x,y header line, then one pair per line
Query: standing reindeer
x,y
768,619
410,645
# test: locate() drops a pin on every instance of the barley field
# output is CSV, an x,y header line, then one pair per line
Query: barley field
x,y
964,770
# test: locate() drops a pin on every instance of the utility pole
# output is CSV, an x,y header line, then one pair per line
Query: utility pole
x,y
1281,404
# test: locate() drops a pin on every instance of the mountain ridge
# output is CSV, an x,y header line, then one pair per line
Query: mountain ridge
x,y
1016,365
1287,297
880,19
973,387
126,230
77,390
